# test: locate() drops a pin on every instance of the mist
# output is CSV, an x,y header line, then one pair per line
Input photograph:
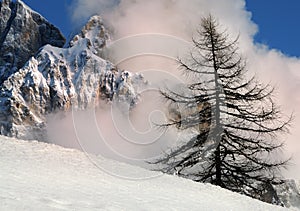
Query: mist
x,y
110,133
178,18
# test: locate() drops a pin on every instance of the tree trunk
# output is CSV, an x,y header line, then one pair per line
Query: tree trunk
x,y
217,133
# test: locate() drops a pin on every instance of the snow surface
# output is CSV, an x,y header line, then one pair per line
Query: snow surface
x,y
40,176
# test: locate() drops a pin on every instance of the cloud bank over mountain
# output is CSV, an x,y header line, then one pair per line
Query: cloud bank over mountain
x,y
181,18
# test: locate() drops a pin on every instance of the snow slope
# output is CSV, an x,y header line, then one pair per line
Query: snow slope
x,y
39,176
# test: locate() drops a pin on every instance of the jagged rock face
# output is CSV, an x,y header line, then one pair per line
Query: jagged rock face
x,y
23,98
95,33
22,33
61,78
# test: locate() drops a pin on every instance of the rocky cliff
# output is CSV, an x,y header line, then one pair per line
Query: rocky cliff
x,y
22,33
55,78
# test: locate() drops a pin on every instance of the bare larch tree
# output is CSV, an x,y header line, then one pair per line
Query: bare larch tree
x,y
235,123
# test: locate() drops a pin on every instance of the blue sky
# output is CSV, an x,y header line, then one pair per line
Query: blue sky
x,y
55,11
278,21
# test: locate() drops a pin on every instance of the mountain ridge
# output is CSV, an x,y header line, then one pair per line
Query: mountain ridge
x,y
22,33
57,78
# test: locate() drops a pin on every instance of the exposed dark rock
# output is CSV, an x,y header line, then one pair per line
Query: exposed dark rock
x,y
56,79
22,33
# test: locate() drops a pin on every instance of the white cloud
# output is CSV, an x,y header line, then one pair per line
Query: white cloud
x,y
181,18
176,17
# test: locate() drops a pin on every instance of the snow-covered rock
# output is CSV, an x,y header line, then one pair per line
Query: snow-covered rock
x,y
95,35
289,193
59,78
39,176
22,33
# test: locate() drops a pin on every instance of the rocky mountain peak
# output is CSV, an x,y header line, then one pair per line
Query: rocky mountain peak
x,y
22,33
40,76
93,34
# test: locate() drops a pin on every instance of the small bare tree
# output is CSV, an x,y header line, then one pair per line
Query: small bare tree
x,y
237,121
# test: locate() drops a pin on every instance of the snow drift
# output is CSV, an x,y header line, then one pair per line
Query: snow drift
x,y
39,176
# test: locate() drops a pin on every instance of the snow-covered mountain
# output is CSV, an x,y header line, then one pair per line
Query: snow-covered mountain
x,y
39,176
55,78
22,33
